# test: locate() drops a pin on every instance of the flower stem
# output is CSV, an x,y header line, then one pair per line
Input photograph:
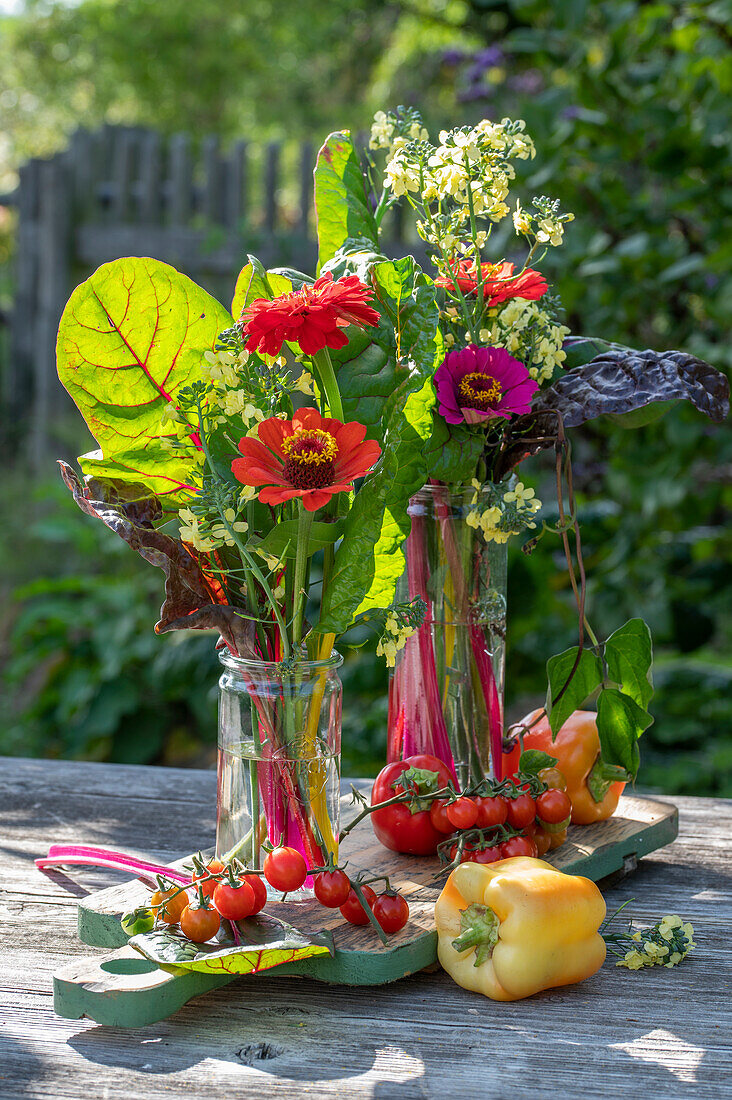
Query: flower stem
x,y
323,368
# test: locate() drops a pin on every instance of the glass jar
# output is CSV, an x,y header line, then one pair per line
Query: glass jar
x,y
446,689
279,760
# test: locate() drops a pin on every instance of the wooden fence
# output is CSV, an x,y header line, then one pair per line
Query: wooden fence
x,y
130,192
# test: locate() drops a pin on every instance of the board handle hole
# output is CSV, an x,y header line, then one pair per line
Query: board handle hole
x,y
128,966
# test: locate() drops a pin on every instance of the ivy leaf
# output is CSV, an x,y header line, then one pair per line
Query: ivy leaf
x,y
265,944
621,380
629,658
342,207
131,335
620,722
586,679
255,282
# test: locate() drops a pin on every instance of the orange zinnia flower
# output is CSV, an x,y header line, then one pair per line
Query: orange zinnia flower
x,y
499,282
310,456
313,317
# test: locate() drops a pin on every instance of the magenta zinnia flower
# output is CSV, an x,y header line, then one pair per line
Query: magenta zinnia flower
x,y
477,383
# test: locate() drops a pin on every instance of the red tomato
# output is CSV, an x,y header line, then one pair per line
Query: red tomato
x,y
438,817
332,888
486,855
391,911
553,779
215,867
553,806
463,813
285,869
519,846
234,902
169,904
521,811
395,826
353,911
256,882
199,924
542,840
491,811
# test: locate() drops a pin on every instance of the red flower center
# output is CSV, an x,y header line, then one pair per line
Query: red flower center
x,y
309,457
479,391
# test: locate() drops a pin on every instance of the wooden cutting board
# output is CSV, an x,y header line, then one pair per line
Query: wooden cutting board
x,y
124,989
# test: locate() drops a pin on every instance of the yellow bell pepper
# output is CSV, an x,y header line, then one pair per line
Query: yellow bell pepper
x,y
512,928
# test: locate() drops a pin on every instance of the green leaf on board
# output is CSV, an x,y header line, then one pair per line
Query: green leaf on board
x,y
586,679
255,282
265,944
629,658
620,722
130,336
342,208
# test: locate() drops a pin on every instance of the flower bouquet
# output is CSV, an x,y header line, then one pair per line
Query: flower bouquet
x,y
341,448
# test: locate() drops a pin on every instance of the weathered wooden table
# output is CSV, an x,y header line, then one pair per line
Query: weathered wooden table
x,y
656,1033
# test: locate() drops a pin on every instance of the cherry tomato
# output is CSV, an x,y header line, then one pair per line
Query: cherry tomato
x,y
466,857
256,883
521,811
167,907
542,840
199,924
439,818
553,779
353,911
215,867
391,911
463,813
396,826
332,888
486,855
553,806
491,811
285,869
556,840
519,846
234,902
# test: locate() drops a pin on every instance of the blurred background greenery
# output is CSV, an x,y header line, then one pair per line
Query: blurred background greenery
x,y
628,103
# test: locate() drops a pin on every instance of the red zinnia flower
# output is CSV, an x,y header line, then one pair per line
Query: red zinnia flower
x,y
313,317
499,282
309,456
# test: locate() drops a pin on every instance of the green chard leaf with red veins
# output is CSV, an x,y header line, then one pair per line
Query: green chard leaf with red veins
x,y
255,282
342,206
265,943
620,722
586,679
130,337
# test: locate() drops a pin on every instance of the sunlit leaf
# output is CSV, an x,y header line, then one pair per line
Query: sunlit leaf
x,y
586,679
341,203
629,657
620,722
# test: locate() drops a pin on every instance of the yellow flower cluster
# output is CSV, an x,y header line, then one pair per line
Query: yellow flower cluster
x,y
529,333
206,536
507,515
393,639
666,944
386,133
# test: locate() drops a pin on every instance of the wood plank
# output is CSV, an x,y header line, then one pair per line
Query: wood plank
x,y
180,187
660,1033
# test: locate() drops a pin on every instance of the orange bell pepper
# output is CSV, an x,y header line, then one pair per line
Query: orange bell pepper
x,y
592,785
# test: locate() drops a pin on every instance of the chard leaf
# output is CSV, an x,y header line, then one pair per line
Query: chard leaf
x,y
193,599
620,380
253,282
586,679
629,657
265,944
283,537
130,336
620,722
342,207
